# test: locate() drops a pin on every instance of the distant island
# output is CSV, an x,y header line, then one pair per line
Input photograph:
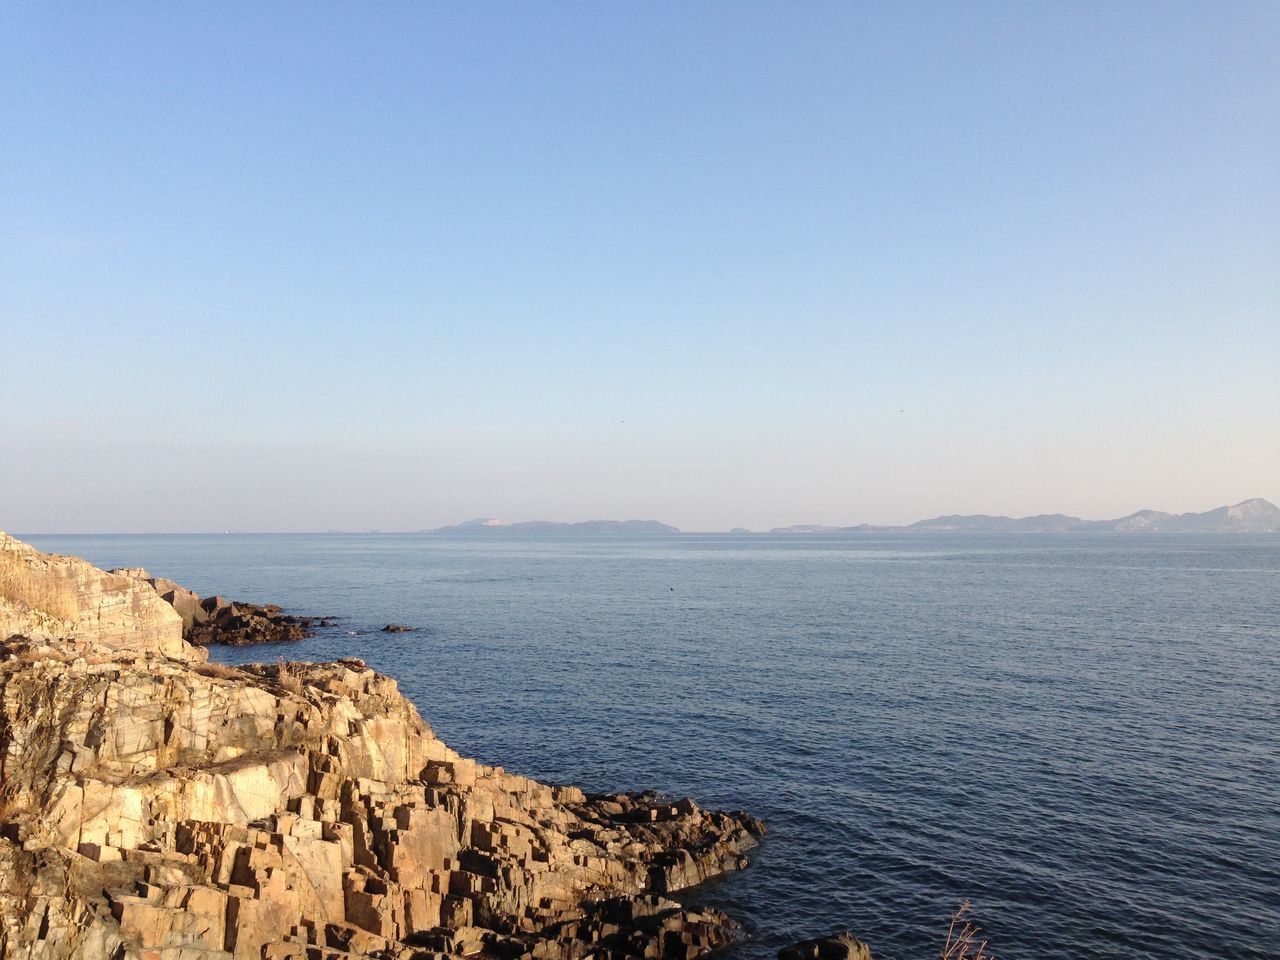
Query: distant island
x,y
542,528
1248,516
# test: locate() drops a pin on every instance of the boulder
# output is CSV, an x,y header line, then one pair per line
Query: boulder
x,y
835,946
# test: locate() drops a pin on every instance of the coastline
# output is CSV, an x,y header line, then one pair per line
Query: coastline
x,y
573,663
296,810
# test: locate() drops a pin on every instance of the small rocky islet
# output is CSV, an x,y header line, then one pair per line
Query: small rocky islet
x,y
156,806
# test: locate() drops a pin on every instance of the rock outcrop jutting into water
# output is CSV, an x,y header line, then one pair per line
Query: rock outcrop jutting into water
x,y
154,805
216,620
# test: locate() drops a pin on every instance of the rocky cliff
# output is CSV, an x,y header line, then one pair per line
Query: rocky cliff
x,y
49,596
154,806
216,620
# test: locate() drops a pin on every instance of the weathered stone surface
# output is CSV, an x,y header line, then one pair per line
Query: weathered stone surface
x,y
216,620
162,808
836,946
42,595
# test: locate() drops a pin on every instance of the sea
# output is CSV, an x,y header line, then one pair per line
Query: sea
x,y
1077,733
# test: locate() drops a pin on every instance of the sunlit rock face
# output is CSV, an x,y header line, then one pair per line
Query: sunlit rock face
x,y
153,805
42,595
217,620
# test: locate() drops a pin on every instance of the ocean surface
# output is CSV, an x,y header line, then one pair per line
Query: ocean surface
x,y
1079,733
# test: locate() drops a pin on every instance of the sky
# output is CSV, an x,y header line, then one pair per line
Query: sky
x,y
289,267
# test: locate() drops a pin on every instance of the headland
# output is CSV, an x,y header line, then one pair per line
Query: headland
x,y
156,805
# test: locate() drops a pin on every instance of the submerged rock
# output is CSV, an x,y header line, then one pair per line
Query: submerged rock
x,y
397,628
153,805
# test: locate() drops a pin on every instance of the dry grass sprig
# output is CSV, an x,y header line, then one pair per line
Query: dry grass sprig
x,y
50,594
287,679
962,938
211,668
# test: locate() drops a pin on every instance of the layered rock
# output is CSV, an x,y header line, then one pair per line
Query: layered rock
x,y
156,806
216,620
42,595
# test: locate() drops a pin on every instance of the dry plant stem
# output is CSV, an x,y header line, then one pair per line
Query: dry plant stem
x,y
964,944
19,584
287,679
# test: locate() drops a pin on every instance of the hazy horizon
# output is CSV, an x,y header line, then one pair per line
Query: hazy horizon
x,y
309,268
514,520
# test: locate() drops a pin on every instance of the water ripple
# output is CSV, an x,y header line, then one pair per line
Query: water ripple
x,y
1077,733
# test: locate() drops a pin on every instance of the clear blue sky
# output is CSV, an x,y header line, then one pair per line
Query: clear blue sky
x,y
309,266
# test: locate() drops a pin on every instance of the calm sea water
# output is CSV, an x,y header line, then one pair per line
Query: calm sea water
x,y
1078,733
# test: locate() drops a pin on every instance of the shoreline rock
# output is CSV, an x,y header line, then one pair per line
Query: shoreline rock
x,y
215,620
58,597
836,946
155,806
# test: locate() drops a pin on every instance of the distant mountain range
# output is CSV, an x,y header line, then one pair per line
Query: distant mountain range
x,y
1249,516
543,528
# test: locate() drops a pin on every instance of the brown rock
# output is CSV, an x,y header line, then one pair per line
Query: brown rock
x,y
162,807
216,620
836,946
42,595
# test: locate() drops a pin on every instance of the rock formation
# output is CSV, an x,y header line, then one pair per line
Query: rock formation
x,y
49,596
836,946
154,806
216,620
